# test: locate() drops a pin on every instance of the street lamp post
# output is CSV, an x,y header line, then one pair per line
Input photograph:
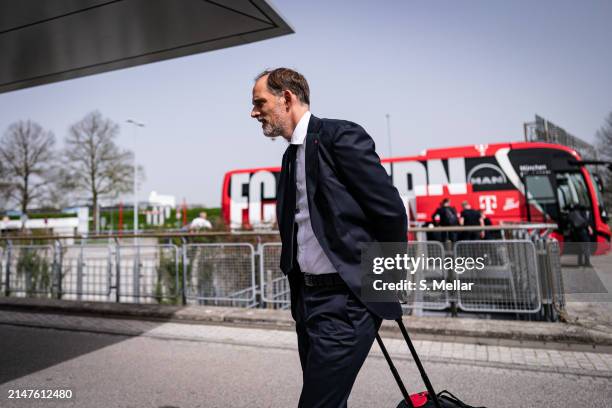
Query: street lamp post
x,y
136,126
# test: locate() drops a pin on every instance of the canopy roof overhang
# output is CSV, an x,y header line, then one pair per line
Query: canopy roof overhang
x,y
45,41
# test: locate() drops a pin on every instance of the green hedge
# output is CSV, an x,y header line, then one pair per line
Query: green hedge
x,y
37,216
112,219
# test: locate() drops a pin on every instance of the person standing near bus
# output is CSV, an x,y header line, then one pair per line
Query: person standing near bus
x,y
333,197
434,235
487,223
448,218
471,218
581,232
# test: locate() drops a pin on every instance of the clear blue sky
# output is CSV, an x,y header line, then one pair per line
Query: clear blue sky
x,y
448,73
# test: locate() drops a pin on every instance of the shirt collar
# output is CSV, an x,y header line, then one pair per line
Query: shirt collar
x,y
299,133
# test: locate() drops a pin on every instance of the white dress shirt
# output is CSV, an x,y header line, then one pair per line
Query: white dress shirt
x,y
310,255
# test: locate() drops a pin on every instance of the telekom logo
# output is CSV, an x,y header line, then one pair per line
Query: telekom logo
x,y
482,149
488,203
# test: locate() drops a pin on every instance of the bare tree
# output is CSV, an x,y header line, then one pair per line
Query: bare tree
x,y
95,164
27,154
4,188
604,146
62,193
604,138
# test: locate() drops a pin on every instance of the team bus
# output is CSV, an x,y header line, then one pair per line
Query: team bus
x,y
510,182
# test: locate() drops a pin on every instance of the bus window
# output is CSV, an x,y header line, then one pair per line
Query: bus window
x,y
599,190
542,202
572,190
598,183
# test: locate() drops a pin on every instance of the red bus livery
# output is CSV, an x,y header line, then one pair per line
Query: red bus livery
x,y
511,182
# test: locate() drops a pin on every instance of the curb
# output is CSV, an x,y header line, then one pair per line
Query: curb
x,y
471,330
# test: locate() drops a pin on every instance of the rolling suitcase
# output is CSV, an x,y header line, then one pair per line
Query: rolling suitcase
x,y
425,399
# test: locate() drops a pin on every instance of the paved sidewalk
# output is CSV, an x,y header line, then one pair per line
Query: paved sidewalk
x,y
484,331
591,310
534,359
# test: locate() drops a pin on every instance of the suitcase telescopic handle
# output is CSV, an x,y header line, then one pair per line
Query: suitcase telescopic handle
x,y
396,375
417,360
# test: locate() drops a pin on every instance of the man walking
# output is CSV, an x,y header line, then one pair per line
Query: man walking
x,y
333,198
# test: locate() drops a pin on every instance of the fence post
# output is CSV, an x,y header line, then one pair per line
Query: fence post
x,y
556,281
136,273
257,272
184,280
57,269
9,254
80,264
545,280
117,272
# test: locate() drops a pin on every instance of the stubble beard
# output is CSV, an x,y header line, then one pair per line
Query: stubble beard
x,y
276,128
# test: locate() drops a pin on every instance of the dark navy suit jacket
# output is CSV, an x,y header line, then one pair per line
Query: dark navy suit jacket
x,y
351,201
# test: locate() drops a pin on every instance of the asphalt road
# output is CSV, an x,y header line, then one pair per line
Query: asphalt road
x,y
105,370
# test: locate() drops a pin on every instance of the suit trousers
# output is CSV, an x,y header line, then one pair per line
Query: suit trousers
x,y
335,332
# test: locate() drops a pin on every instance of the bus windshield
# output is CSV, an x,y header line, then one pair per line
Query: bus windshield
x,y
542,203
572,190
545,204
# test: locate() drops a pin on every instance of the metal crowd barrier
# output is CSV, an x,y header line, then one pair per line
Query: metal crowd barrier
x,y
430,298
146,273
549,256
274,285
220,274
30,270
122,273
86,272
509,281
519,276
